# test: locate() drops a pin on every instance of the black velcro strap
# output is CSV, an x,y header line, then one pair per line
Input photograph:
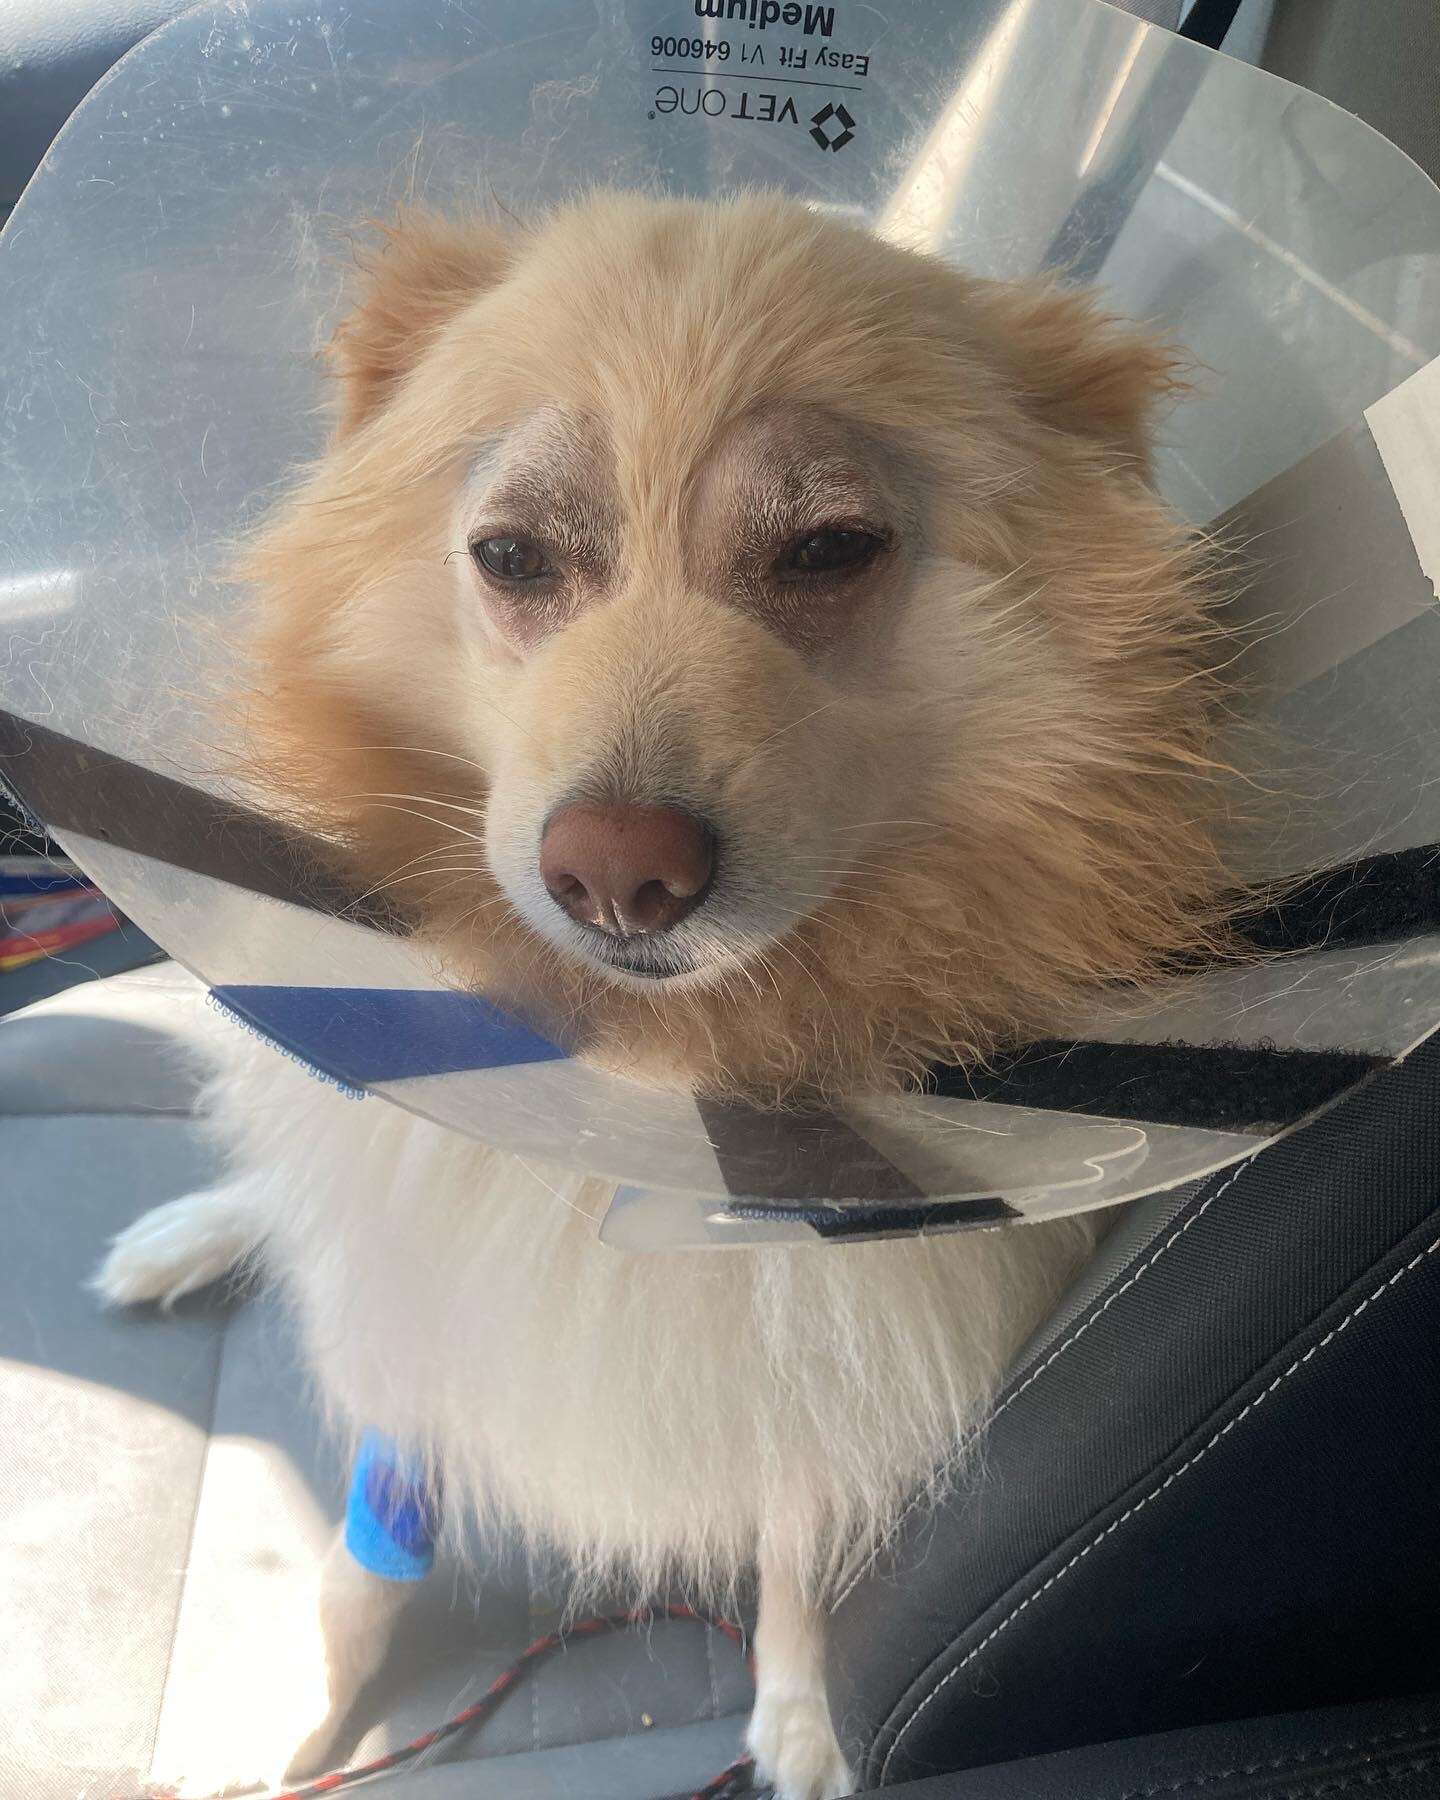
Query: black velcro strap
x,y
789,1167
799,1156
70,786
877,1219
1372,901
1220,1087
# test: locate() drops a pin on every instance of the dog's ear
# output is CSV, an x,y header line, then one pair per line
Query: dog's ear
x,y
1084,371
424,271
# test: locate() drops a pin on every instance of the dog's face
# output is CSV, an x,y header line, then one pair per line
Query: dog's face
x,y
760,635
682,660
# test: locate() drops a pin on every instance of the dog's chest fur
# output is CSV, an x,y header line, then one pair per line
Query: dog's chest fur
x,y
648,1415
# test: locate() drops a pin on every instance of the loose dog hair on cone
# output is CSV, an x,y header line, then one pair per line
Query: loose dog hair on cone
x,y
973,806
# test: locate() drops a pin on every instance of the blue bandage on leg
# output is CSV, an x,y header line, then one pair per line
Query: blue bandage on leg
x,y
390,1515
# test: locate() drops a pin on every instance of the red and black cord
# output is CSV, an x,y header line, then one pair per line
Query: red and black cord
x,y
728,1784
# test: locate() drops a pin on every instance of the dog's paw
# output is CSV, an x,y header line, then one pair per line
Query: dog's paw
x,y
319,1753
795,1748
174,1249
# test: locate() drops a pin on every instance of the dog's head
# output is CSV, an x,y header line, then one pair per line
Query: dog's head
x,y
761,635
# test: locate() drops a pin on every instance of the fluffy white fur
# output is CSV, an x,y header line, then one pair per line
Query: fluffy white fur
x,y
603,1403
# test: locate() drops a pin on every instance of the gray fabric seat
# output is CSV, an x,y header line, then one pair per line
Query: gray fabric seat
x,y
169,1490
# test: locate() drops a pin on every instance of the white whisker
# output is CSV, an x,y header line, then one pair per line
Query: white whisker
x,y
791,726
475,837
424,750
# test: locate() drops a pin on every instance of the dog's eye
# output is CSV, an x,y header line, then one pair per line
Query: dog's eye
x,y
511,559
828,552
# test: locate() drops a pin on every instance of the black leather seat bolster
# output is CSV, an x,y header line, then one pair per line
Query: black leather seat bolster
x,y
1211,1498
1392,1749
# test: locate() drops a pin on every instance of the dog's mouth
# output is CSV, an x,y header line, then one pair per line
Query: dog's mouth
x,y
638,959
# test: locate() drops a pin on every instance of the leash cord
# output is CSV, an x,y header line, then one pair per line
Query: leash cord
x,y
732,1781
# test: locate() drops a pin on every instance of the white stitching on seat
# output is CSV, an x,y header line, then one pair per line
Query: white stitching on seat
x,y
919,1499
1169,1481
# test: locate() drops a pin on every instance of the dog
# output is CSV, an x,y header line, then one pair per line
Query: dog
x,y
763,641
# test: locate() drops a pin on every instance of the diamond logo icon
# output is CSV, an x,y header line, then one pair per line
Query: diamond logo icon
x,y
832,127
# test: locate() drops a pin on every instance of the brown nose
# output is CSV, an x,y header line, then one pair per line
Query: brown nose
x,y
627,869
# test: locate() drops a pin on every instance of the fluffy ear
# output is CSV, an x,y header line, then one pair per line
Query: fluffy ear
x,y
1084,371
425,270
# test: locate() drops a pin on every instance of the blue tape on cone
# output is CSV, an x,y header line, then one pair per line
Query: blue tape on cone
x,y
369,1035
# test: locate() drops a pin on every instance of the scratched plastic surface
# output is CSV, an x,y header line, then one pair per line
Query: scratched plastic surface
x,y
168,278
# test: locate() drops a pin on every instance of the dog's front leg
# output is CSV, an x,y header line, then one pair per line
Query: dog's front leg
x,y
358,1610
791,1735
385,1546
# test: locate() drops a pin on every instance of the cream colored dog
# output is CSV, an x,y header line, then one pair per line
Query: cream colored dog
x,y
763,641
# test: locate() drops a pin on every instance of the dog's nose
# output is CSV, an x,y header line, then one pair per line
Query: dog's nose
x,y
628,869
